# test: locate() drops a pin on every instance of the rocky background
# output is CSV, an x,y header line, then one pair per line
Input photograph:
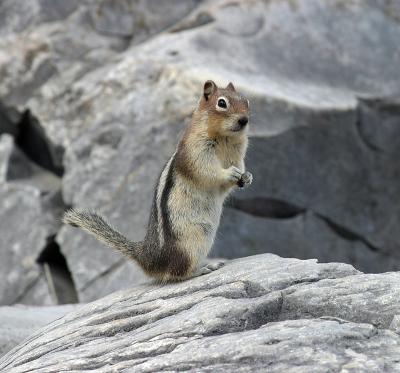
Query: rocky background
x,y
94,95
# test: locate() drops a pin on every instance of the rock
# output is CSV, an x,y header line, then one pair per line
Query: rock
x,y
332,172
255,314
9,118
19,322
138,19
53,44
6,148
88,161
110,147
30,209
16,167
304,235
20,211
113,84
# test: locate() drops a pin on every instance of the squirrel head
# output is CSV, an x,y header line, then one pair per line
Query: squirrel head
x,y
227,112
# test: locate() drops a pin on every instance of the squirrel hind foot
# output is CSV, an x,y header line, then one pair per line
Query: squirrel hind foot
x,y
209,267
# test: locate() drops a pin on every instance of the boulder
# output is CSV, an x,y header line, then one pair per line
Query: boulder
x,y
19,322
254,314
319,190
335,172
54,43
107,87
305,235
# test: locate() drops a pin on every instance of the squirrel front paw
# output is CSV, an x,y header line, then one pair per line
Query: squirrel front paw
x,y
233,174
245,180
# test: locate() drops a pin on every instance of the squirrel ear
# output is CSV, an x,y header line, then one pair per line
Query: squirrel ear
x,y
209,88
230,87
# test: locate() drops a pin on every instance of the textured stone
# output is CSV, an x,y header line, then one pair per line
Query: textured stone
x,y
331,171
20,211
30,210
303,236
113,83
255,314
54,43
110,160
6,148
9,118
126,186
19,322
138,19
16,167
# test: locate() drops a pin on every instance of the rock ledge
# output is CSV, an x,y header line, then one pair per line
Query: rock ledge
x,y
256,312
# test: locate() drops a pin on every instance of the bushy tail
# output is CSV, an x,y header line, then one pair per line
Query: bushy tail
x,y
104,232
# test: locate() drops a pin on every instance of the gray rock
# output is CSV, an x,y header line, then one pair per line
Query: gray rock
x,y
6,148
304,235
20,211
112,119
16,167
113,84
395,324
126,186
289,86
138,19
113,18
19,322
31,270
55,43
332,172
9,118
30,209
20,15
362,298
255,314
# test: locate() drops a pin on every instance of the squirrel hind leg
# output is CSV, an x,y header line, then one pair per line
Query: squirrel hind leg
x,y
180,268
172,264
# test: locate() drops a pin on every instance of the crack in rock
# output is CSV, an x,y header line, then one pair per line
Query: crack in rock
x,y
104,273
26,290
197,20
272,208
34,142
266,207
58,275
364,139
347,234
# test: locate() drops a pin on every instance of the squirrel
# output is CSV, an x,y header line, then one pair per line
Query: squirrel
x,y
187,204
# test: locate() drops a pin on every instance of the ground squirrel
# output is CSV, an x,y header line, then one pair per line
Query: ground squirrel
x,y
208,162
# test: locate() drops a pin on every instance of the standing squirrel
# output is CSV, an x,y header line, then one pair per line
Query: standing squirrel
x,y
207,164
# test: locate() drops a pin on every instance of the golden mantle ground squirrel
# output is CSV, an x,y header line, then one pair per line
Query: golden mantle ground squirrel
x,y
207,164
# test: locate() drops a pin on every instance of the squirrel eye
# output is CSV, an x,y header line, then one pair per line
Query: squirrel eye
x,y
222,103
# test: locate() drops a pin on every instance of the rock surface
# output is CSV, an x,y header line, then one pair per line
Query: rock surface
x,y
21,211
96,93
30,211
255,314
19,322
317,120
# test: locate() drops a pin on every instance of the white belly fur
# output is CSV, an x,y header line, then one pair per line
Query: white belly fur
x,y
195,216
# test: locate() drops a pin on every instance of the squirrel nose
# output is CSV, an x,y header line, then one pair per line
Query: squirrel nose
x,y
243,121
